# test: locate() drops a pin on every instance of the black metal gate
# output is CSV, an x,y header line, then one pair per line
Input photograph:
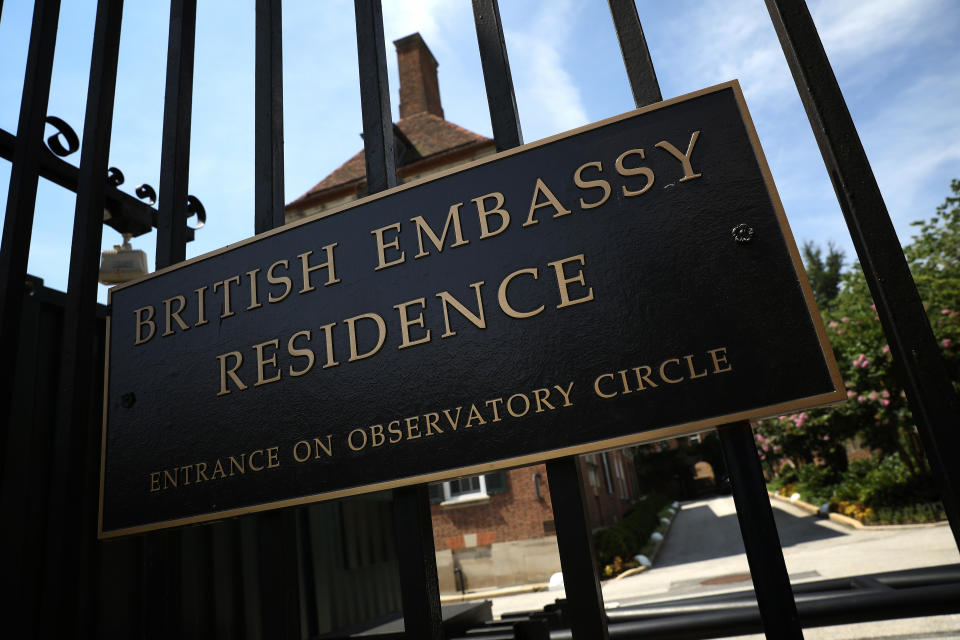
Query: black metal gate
x,y
247,578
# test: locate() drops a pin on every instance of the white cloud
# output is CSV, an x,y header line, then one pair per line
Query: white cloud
x,y
855,32
914,143
424,16
547,98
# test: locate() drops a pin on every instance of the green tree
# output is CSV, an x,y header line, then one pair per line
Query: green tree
x,y
876,410
934,258
824,273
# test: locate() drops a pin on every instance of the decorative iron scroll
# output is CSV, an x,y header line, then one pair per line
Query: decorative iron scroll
x,y
66,142
64,131
115,176
195,208
146,193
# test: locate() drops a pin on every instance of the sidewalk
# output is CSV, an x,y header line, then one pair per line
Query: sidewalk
x,y
487,594
704,554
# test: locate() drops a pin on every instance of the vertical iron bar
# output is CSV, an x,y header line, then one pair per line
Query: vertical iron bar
x,y
419,587
413,527
277,573
496,75
636,55
22,190
771,582
378,143
22,481
161,581
268,196
916,354
575,541
70,562
175,147
162,550
759,531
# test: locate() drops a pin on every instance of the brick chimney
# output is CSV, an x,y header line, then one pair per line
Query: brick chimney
x,y
419,89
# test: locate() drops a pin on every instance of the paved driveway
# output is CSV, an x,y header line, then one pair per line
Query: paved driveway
x,y
703,553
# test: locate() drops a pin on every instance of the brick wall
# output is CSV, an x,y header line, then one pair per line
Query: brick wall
x,y
516,514
603,507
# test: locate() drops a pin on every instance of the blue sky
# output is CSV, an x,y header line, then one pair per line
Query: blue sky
x,y
896,61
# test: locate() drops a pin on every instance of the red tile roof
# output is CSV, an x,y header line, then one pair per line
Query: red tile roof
x,y
431,137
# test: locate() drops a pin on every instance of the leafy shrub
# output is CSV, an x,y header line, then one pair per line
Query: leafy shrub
x,y
609,543
876,490
631,535
816,482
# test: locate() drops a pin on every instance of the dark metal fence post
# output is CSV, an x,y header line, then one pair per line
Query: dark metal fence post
x,y
636,54
175,151
420,589
916,354
278,575
496,75
584,598
162,550
413,530
268,120
22,191
378,143
19,577
581,584
71,548
771,582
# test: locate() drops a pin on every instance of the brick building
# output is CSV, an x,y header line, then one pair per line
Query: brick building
x,y
425,142
495,529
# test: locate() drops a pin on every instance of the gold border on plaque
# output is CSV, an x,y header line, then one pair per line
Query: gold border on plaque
x,y
687,428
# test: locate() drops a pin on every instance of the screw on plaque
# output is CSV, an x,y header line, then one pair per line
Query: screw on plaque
x,y
742,233
127,400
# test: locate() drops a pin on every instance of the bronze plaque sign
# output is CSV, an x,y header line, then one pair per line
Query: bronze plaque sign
x,y
628,281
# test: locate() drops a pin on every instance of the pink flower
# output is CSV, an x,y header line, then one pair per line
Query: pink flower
x,y
826,438
946,342
885,393
845,320
945,312
861,399
851,394
885,349
874,307
885,403
833,324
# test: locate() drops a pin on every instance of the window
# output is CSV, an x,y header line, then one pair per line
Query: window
x,y
464,488
621,477
606,472
592,478
470,489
